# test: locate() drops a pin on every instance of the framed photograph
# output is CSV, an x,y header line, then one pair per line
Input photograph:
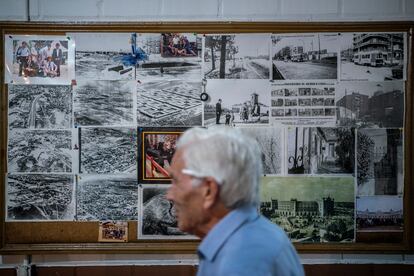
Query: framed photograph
x,y
39,59
157,215
156,147
113,231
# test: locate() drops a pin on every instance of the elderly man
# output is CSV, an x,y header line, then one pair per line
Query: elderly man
x,y
215,189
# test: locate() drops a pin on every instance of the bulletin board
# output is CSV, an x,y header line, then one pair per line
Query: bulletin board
x,y
90,114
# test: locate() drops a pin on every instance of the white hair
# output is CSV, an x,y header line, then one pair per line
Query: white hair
x,y
230,157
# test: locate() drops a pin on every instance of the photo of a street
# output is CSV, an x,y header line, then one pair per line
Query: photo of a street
x,y
300,57
372,56
237,57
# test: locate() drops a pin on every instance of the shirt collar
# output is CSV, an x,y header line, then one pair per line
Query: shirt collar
x,y
218,235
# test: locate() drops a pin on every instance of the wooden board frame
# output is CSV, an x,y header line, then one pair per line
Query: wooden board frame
x,y
81,237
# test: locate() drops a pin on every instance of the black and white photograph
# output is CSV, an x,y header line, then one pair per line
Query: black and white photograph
x,y
157,218
373,56
40,106
311,56
237,102
303,104
40,197
156,150
164,61
37,59
270,140
380,159
40,151
311,209
379,214
107,197
108,150
370,104
169,103
104,103
105,56
317,150
237,56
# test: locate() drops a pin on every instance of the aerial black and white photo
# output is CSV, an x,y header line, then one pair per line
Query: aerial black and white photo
x,y
169,103
104,103
237,102
317,150
40,151
305,56
157,214
311,209
270,140
40,106
105,56
379,214
380,159
303,104
373,56
107,197
370,104
108,150
40,197
166,57
240,56
39,59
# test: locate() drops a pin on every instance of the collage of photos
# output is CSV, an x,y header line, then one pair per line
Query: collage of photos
x,y
94,120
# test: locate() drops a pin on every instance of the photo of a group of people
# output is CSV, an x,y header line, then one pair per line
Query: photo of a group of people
x,y
39,59
327,112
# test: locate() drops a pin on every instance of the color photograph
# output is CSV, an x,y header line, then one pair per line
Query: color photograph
x,y
311,209
36,59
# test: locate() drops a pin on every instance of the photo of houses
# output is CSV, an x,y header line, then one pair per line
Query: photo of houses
x,y
310,209
370,104
316,150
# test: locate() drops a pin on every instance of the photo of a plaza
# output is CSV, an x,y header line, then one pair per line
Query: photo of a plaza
x,y
310,209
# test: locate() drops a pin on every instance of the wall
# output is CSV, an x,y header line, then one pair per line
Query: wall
x,y
203,10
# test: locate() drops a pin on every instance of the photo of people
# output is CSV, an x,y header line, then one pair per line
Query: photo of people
x,y
157,147
39,59
245,102
179,45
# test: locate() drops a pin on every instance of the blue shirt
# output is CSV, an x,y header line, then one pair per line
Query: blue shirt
x,y
246,243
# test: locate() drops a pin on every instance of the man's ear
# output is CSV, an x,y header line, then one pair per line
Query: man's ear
x,y
210,192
